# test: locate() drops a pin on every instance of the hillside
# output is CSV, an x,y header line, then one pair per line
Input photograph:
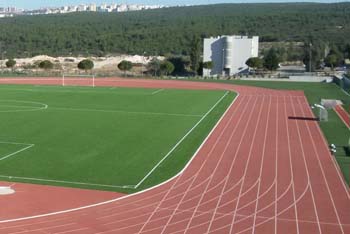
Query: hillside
x,y
170,30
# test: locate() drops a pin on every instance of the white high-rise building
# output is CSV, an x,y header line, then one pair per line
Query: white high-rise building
x,y
92,7
229,54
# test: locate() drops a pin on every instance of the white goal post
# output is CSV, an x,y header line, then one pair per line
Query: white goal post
x,y
76,79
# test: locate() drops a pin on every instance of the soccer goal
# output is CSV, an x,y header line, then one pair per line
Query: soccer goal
x,y
78,80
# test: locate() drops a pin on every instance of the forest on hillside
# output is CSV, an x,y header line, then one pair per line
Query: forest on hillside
x,y
171,30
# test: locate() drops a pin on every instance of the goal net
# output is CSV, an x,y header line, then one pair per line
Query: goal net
x,y
323,115
78,80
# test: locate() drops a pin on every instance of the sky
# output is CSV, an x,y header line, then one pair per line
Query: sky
x,y
34,4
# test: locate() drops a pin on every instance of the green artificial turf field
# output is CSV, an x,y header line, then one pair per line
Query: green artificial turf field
x,y
102,138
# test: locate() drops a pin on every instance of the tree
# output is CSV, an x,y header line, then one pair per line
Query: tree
x,y
315,50
195,54
331,60
154,66
271,61
208,65
86,64
347,51
254,63
167,67
46,64
125,66
10,63
180,63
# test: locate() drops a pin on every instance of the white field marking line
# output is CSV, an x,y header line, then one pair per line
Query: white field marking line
x,y
134,194
75,89
346,93
157,91
215,169
121,111
174,196
181,140
246,167
43,106
61,181
194,177
306,166
16,89
291,164
19,106
323,173
230,171
261,165
27,146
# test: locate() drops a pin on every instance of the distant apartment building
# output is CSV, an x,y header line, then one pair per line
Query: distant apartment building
x,y
229,54
92,7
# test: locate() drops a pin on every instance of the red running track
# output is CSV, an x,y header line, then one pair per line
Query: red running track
x,y
343,115
260,171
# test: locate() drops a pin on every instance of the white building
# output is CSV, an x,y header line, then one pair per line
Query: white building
x,y
92,7
229,54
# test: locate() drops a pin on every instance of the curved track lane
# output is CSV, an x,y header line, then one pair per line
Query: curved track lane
x,y
263,169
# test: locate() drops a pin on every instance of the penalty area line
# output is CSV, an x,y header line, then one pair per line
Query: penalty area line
x,y
28,146
181,140
157,91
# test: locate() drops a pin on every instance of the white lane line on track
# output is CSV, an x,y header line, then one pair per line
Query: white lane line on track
x,y
322,170
215,219
180,141
194,176
269,205
306,167
276,166
246,168
134,194
218,163
281,212
261,165
291,166
217,206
